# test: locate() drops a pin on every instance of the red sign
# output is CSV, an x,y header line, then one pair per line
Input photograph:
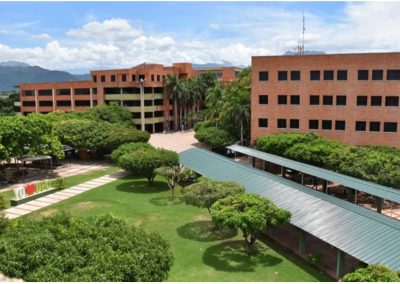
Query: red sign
x,y
30,188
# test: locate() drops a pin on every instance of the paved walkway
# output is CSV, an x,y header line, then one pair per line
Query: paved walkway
x,y
176,141
34,205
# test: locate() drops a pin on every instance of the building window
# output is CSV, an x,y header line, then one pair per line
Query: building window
x,y
295,100
82,103
263,122
158,78
133,77
123,77
361,125
392,101
342,75
363,74
315,75
82,91
29,104
340,100
282,75
327,124
328,75
263,76
327,100
282,100
28,93
393,75
159,113
295,75
45,92
45,103
103,78
376,101
94,91
390,127
142,77
362,100
294,123
377,74
63,92
94,78
64,103
152,77
112,78
314,100
340,125
148,115
374,126
158,102
263,99
313,124
136,115
281,123
148,102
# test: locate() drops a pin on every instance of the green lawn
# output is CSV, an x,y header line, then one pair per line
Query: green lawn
x,y
200,252
70,181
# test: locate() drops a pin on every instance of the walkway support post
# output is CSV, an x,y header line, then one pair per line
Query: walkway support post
x,y
378,202
302,241
340,264
253,162
325,186
302,178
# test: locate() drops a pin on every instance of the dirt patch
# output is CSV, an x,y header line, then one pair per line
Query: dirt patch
x,y
86,205
201,218
49,212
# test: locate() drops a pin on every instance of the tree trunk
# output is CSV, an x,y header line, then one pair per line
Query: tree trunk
x,y
180,117
176,113
209,210
250,243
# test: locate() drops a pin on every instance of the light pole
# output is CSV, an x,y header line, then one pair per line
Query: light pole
x,y
142,103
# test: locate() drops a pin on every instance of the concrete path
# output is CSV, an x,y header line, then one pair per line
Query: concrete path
x,y
34,205
176,141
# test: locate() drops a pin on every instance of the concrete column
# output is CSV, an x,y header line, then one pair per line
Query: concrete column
x,y
53,93
325,186
91,97
154,128
253,162
302,241
72,99
36,100
302,178
340,263
378,202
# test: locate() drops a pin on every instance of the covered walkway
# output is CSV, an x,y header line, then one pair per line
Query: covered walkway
x,y
361,233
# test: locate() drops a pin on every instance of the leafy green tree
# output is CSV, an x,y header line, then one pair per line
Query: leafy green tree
x,y
111,113
4,221
172,175
217,138
372,273
119,134
66,248
128,148
249,212
206,192
7,104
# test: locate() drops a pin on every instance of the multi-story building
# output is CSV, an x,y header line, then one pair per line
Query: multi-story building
x,y
352,98
121,86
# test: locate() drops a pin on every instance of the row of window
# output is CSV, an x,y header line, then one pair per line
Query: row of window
x,y
58,103
124,78
131,90
328,100
59,92
313,124
329,75
148,114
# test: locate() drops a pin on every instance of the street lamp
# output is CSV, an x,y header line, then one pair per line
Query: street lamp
x,y
142,103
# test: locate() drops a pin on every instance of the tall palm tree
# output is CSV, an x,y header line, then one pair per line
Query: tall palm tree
x,y
214,101
173,86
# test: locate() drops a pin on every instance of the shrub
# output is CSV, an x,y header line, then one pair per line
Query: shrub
x,y
120,134
63,248
204,124
130,147
188,176
58,183
372,273
217,138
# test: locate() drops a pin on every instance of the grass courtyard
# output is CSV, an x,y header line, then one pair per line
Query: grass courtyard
x,y
200,252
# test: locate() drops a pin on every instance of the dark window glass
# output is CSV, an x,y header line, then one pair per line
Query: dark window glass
x,y
340,125
362,100
64,103
82,103
63,92
390,127
314,100
342,75
392,101
112,91
294,123
393,75
148,102
327,100
171,112
94,78
45,103
363,75
82,91
94,91
158,78
159,113
158,102
152,77
133,77
341,100
328,75
262,122
148,90
361,125
136,115
158,90
148,115
376,101
327,124
28,93
282,99
313,124
282,75
123,77
281,123
295,100
377,74
103,78
263,75
315,75
263,99
45,92
112,78
374,126
29,104
142,77
131,103
295,75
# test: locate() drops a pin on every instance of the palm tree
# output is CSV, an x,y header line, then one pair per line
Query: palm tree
x,y
173,86
214,102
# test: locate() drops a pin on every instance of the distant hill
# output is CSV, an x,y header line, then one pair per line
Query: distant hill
x,y
210,65
307,52
13,73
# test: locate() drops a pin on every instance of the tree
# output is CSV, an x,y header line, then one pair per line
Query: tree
x,y
173,86
206,192
7,104
372,273
128,148
217,138
144,161
249,212
112,113
172,175
120,134
66,248
4,221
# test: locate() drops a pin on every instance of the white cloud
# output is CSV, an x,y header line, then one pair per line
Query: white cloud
x,y
43,36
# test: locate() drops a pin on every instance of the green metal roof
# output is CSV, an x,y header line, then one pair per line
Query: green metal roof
x,y
360,232
348,181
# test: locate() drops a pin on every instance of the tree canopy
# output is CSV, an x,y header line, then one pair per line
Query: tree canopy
x,y
217,138
372,273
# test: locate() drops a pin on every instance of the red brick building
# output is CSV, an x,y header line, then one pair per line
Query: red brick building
x,y
352,98
122,86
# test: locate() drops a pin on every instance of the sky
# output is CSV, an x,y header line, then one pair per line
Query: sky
x,y
82,36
